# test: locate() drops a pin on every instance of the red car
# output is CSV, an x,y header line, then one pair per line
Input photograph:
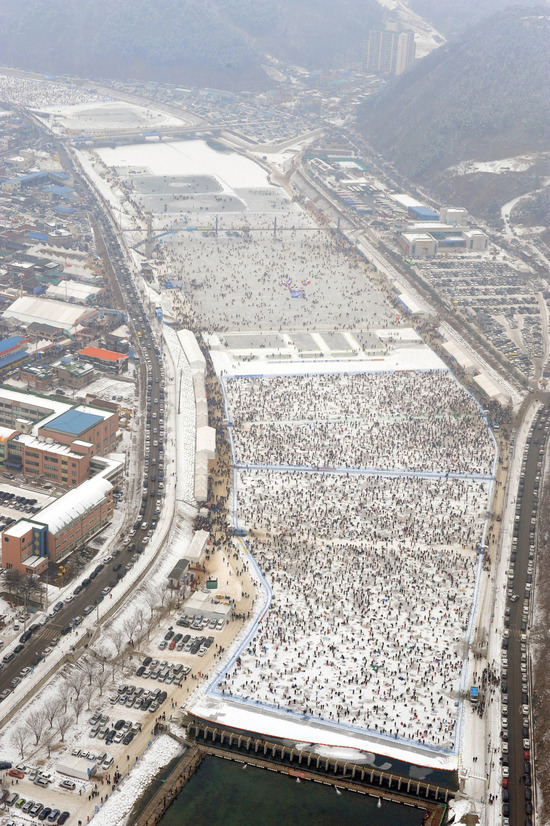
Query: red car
x,y
16,773
172,645
504,782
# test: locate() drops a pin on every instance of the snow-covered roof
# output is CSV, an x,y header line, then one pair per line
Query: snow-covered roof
x,y
20,528
206,441
197,547
491,388
51,447
193,352
412,306
28,310
71,289
73,504
24,398
6,433
461,356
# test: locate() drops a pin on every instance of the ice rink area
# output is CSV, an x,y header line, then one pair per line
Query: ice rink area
x,y
410,421
372,568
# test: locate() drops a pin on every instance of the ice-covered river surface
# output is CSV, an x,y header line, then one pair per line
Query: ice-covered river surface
x,y
374,585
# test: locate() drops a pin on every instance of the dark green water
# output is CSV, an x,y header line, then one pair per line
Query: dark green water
x,y
222,792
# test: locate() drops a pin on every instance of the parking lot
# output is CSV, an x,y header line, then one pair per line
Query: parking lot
x,y
498,297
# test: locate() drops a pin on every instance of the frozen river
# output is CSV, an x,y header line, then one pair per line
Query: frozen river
x,y
347,558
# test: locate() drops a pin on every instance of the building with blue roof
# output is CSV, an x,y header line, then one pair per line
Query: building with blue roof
x,y
423,213
74,422
41,176
89,430
9,345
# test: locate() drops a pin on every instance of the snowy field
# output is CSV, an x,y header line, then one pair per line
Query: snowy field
x,y
372,573
371,598
300,281
187,158
96,116
109,389
405,421
519,163
300,274
37,94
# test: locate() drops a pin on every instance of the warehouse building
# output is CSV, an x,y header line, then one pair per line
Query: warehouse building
x,y
31,544
57,314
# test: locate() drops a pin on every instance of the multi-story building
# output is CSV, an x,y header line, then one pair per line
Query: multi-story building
x,y
72,372
108,360
389,51
43,437
81,426
31,544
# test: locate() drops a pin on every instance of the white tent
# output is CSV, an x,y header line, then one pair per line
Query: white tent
x,y
78,767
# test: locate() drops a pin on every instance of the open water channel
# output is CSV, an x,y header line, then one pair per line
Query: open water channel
x,y
223,792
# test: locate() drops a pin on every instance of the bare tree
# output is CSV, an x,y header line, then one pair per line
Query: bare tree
x,y
129,628
75,681
52,707
88,694
78,701
163,594
149,597
35,722
101,678
63,697
89,667
116,638
21,737
114,665
49,743
141,624
149,625
63,723
31,587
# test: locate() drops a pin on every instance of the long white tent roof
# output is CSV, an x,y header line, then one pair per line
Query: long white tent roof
x,y
73,504
28,309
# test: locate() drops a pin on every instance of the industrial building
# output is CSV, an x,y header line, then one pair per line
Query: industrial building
x,y
73,291
37,179
57,314
86,429
50,536
55,440
424,239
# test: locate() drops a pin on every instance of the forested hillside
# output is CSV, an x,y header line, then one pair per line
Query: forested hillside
x,y
451,19
482,97
182,40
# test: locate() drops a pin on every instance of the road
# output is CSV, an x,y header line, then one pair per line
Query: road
x,y
152,381
524,531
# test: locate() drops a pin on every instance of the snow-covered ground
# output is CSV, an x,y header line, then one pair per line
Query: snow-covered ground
x,y
190,158
95,117
161,751
301,274
37,94
414,421
372,575
519,163
371,599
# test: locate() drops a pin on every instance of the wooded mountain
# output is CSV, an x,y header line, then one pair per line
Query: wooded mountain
x,y
187,41
451,19
482,97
